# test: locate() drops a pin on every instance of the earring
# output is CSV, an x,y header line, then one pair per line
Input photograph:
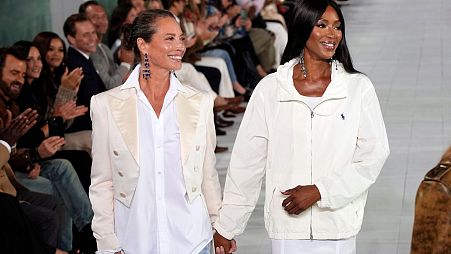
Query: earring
x,y
146,69
303,69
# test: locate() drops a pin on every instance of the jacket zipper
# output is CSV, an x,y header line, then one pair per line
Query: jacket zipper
x,y
312,114
311,166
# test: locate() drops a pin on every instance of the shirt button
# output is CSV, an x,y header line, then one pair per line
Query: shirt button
x,y
194,189
115,153
195,168
159,172
197,147
120,173
122,194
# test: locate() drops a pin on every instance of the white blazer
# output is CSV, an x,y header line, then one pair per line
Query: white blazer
x,y
115,167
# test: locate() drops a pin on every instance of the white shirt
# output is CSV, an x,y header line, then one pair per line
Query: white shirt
x,y
160,219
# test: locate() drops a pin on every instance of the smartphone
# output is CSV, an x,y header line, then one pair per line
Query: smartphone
x,y
243,14
56,126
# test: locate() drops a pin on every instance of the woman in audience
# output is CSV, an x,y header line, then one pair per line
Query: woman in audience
x,y
62,85
316,131
39,172
38,93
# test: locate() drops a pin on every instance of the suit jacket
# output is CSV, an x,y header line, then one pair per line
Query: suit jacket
x,y
91,84
112,74
115,151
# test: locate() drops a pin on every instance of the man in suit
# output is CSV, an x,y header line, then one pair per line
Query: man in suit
x,y
112,74
82,37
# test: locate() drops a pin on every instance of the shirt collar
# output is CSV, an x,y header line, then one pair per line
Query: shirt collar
x,y
81,52
133,82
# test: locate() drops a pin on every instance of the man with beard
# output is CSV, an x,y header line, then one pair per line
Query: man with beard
x,y
40,174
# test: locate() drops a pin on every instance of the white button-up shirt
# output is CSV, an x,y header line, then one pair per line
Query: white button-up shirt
x,y
160,218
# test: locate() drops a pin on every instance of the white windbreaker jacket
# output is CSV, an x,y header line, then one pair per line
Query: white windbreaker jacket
x,y
340,146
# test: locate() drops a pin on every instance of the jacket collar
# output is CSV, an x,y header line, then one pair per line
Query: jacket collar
x,y
133,83
287,92
123,104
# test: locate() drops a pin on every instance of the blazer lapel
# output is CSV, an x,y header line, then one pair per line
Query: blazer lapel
x,y
124,110
188,110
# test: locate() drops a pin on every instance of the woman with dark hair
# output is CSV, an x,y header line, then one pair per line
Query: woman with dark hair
x,y
62,85
316,132
154,186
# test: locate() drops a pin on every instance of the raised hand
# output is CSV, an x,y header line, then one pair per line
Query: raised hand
x,y
300,198
223,245
13,129
72,80
69,110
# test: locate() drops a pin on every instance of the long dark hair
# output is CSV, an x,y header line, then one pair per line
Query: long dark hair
x,y
42,40
143,27
301,20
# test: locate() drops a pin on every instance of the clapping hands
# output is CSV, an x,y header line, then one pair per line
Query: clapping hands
x,y
13,129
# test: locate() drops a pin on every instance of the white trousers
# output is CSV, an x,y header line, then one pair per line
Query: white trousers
x,y
343,246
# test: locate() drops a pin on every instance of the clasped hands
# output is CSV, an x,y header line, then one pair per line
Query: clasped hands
x,y
299,199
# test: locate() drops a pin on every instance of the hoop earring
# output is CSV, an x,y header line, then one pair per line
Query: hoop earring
x,y
303,69
146,69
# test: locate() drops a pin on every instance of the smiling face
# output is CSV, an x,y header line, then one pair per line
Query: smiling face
x,y
85,38
167,46
55,54
325,36
98,17
34,63
12,77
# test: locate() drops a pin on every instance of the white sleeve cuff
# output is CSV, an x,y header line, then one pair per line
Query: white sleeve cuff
x,y
126,65
109,251
5,144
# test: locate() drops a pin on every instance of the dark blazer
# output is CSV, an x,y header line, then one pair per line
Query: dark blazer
x,y
91,84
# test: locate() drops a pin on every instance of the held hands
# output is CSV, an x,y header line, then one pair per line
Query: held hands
x,y
223,245
300,198
13,129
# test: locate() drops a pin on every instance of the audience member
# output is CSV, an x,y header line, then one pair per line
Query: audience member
x,y
61,85
56,176
123,14
112,74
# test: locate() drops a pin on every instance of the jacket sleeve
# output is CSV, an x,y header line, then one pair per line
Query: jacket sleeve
x,y
110,80
246,170
101,192
211,188
370,153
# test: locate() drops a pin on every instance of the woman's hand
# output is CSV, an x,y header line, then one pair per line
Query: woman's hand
x,y
34,173
50,146
69,110
73,79
223,245
300,198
